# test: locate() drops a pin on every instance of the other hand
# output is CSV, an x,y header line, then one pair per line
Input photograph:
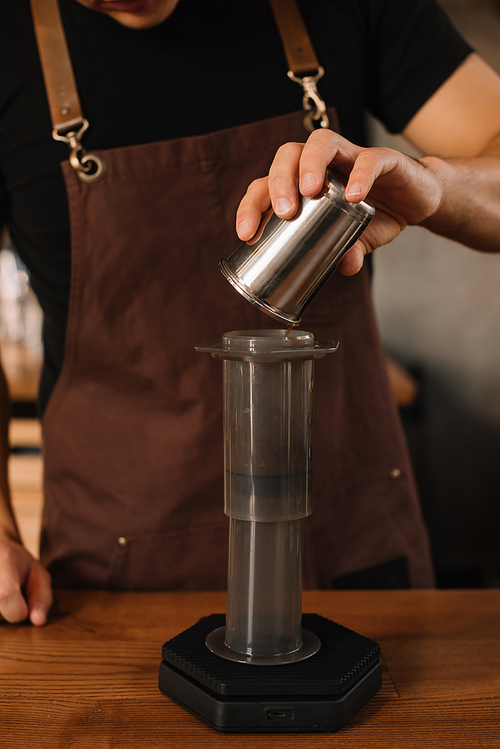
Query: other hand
x,y
402,189
25,586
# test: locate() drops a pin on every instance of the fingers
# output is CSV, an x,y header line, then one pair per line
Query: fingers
x,y
18,571
301,167
296,166
255,202
283,180
13,607
39,594
369,165
324,147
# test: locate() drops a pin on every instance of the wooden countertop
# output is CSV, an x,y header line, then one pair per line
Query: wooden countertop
x,y
89,678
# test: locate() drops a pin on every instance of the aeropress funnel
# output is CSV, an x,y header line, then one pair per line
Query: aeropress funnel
x,y
265,667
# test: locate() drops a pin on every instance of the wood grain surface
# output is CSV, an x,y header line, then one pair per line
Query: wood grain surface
x,y
89,678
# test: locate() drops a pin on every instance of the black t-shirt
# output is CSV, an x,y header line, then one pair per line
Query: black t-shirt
x,y
210,66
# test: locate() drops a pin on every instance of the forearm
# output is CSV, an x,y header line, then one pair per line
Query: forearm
x,y
469,210
8,524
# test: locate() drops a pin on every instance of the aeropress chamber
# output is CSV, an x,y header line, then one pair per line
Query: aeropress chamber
x,y
265,666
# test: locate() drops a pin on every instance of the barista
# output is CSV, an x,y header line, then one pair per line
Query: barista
x,y
131,414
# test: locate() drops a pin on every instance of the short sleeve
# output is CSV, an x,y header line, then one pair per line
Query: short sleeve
x,y
414,49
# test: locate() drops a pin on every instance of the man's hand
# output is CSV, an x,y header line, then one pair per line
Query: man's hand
x,y
25,588
453,190
403,190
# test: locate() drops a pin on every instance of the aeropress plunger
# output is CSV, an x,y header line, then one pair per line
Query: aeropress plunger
x,y
265,666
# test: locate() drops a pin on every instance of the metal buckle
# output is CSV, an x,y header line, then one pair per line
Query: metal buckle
x,y
88,166
312,103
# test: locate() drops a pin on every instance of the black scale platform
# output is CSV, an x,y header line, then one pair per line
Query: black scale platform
x,y
321,693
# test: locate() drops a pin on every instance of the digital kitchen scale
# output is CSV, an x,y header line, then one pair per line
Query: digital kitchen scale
x,y
321,693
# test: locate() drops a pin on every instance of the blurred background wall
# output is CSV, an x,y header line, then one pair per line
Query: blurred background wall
x,y
438,305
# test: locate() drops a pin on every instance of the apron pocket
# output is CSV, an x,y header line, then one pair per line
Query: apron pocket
x,y
188,559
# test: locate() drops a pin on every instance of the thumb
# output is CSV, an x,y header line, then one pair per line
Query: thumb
x,y
38,594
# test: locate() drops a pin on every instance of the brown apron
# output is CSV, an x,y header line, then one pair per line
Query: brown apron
x,y
133,430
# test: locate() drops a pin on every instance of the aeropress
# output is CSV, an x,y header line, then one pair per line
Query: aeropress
x,y
265,666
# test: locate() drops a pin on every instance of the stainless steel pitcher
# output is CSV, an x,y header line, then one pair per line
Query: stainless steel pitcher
x,y
283,267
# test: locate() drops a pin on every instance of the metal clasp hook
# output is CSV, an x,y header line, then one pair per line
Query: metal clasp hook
x,y
88,166
312,103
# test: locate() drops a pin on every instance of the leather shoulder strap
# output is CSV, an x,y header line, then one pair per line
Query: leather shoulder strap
x,y
68,122
303,64
298,47
60,84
